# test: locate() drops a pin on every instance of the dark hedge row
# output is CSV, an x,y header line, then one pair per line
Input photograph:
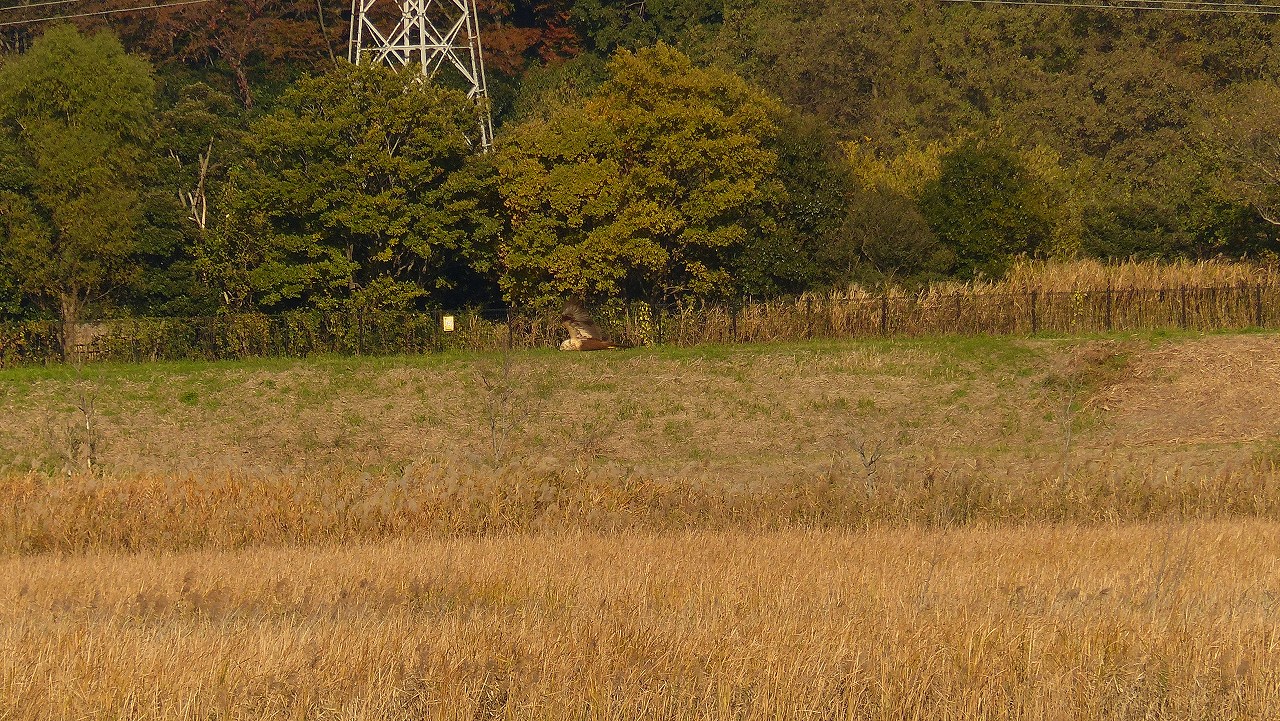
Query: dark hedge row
x,y
302,334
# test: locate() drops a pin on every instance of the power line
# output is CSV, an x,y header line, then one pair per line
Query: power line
x,y
38,5
1186,5
103,12
1226,8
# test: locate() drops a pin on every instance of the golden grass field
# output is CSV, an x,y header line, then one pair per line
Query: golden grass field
x,y
1170,620
950,528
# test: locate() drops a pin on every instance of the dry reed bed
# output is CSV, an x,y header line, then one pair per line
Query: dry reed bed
x,y
1169,621
1072,298
979,310
234,509
1002,308
1087,274
1079,296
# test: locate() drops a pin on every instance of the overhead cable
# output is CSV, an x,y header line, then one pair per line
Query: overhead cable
x,y
103,12
1227,8
37,5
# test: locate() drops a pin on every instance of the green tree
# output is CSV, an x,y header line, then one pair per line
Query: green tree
x,y
1245,133
607,25
360,191
13,178
76,114
821,186
884,237
547,87
984,207
651,187
199,139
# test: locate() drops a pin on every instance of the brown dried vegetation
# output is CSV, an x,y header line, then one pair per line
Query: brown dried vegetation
x,y
941,528
1167,621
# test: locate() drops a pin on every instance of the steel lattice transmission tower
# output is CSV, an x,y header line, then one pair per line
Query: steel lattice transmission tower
x,y
437,35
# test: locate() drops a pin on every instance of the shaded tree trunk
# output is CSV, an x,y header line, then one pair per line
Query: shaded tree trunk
x,y
242,81
70,308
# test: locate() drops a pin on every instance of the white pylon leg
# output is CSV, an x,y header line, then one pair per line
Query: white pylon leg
x,y
435,34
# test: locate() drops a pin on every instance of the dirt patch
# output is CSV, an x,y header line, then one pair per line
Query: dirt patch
x,y
1084,370
1219,389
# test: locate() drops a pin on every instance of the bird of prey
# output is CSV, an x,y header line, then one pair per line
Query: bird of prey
x,y
583,333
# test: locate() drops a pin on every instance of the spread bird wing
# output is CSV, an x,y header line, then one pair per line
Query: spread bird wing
x,y
593,344
578,321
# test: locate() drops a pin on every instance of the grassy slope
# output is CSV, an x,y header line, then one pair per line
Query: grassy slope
x,y
750,411
745,412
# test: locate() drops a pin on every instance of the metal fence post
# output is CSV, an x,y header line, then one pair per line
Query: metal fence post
x,y
360,332
884,312
438,331
1183,316
1035,322
1109,323
1257,304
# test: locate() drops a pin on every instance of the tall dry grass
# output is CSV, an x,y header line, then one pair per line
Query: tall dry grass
x,y
1076,297
1166,621
1089,274
945,433
98,512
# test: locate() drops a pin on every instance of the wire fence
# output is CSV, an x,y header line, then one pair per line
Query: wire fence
x,y
305,333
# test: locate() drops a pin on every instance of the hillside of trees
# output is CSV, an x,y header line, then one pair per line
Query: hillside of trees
x,y
225,157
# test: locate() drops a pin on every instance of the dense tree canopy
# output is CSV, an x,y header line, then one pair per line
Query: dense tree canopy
x,y
1246,132
664,149
986,209
651,187
76,117
1116,94
359,190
